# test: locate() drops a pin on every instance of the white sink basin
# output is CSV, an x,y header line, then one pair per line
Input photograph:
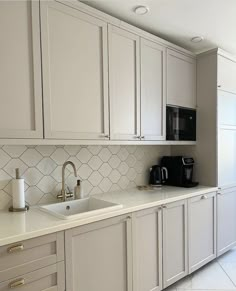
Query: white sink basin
x,y
81,208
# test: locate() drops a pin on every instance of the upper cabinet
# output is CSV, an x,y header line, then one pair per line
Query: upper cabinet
x,y
153,90
124,84
20,70
75,73
226,74
79,74
181,79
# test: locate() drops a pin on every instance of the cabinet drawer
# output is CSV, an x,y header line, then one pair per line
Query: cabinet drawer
x,y
50,278
29,255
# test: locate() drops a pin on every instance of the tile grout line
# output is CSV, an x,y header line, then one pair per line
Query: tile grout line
x,y
226,273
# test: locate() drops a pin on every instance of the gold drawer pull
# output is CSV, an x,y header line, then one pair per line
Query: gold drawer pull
x,y
16,248
17,283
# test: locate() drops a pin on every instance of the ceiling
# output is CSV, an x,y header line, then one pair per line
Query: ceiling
x,y
180,20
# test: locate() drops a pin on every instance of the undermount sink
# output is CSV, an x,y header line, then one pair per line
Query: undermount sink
x,y
81,208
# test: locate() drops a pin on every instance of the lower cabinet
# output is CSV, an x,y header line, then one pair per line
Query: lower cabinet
x,y
147,249
175,261
49,278
99,256
202,230
226,220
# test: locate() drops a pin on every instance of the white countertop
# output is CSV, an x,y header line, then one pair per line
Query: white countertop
x,y
16,227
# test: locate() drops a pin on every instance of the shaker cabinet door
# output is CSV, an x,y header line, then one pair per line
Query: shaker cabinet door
x,y
226,220
153,90
202,230
75,73
226,157
99,256
147,249
175,265
226,74
181,79
124,84
20,70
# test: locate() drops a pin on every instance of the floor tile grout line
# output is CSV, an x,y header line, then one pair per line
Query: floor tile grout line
x,y
226,273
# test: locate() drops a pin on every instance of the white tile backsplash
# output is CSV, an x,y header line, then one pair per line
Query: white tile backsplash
x,y
101,169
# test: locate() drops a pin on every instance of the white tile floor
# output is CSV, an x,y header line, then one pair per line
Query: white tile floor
x,y
217,275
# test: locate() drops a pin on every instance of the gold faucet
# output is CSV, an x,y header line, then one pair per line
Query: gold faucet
x,y
64,195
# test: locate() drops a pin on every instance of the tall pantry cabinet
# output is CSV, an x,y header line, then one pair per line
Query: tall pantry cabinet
x,y
215,152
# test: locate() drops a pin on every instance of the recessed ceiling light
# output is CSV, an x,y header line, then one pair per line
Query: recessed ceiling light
x,y
141,10
197,39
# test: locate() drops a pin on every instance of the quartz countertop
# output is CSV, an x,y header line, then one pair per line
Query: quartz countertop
x,y
15,227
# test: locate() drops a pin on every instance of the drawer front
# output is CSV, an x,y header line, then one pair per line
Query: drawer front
x,y
29,255
49,278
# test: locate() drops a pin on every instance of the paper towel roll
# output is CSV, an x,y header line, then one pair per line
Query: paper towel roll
x,y
18,193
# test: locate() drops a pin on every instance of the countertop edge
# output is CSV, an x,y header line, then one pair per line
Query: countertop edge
x,y
68,224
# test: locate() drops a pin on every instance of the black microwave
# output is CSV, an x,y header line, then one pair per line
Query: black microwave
x,y
180,123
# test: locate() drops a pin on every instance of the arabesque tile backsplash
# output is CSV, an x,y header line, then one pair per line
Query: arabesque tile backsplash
x,y
101,169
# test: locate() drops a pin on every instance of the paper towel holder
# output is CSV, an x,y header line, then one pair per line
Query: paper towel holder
x,y
24,209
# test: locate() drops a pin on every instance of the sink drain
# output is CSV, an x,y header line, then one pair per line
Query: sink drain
x,y
68,207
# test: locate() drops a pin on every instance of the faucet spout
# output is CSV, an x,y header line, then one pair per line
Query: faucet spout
x,y
63,191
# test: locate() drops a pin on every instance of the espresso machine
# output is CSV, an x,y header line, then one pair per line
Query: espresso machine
x,y
180,171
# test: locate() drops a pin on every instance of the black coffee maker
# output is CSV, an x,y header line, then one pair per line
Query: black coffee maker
x,y
180,171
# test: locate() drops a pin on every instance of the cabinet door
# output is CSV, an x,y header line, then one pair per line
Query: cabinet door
x,y
51,278
181,80
174,242
202,230
124,84
75,77
226,220
226,74
20,70
153,90
147,246
99,256
226,157
226,108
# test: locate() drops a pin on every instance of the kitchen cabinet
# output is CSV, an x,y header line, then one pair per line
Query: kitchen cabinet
x,y
20,70
181,79
124,84
75,73
99,256
215,151
226,74
226,157
226,220
45,279
175,263
153,90
147,249
202,230
226,109
35,264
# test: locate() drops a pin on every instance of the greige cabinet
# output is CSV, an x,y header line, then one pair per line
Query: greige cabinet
x,y
20,70
181,79
226,220
75,73
49,278
153,90
147,249
35,264
99,256
226,73
202,230
124,84
175,261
